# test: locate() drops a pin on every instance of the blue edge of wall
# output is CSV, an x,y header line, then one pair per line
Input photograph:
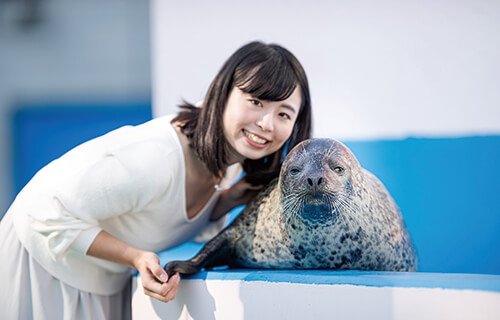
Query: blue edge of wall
x,y
447,189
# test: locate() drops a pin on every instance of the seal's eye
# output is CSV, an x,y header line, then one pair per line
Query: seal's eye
x,y
295,171
339,169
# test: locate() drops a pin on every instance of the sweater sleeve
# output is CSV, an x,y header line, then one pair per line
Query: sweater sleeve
x,y
124,181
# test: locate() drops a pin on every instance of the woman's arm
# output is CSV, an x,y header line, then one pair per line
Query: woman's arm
x,y
239,194
154,279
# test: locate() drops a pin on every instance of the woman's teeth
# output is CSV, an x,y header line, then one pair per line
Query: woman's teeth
x,y
254,138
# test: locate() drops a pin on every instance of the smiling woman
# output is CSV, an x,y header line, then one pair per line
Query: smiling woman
x,y
266,73
255,128
78,226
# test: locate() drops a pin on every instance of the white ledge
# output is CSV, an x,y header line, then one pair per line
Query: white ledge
x,y
322,294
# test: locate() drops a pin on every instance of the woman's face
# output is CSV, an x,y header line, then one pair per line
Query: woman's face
x,y
256,128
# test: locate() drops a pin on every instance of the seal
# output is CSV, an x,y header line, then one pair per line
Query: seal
x,y
323,212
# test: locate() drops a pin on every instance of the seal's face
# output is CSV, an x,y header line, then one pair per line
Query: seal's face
x,y
315,181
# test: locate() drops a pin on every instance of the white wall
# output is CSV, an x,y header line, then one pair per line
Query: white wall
x,y
376,68
79,52
233,300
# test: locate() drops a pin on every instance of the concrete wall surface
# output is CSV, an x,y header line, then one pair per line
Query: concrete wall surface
x,y
235,295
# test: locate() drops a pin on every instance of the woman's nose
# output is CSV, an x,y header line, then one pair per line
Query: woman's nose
x,y
265,122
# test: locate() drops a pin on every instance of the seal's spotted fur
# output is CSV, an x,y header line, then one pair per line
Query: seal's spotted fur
x,y
324,212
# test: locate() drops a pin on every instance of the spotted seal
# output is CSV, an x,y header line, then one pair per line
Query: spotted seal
x,y
323,212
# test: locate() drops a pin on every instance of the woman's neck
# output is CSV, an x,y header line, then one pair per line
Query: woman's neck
x,y
200,181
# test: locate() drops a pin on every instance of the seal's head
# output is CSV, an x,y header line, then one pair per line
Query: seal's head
x,y
316,181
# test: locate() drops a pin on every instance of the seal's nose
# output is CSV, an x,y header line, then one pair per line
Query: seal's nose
x,y
315,181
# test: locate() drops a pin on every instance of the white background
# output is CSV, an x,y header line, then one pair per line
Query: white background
x,y
377,69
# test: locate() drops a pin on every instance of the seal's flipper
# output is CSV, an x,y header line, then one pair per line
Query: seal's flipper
x,y
183,267
216,252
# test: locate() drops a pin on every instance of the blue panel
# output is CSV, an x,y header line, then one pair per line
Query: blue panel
x,y
360,278
448,191
43,133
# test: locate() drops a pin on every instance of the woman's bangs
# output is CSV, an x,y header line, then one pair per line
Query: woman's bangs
x,y
272,80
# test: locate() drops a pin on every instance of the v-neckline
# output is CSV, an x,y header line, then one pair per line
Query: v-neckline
x,y
209,201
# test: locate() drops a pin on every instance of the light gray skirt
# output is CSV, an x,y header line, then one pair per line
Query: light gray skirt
x,y
30,292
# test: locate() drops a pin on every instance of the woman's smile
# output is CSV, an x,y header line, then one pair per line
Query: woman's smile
x,y
256,128
255,140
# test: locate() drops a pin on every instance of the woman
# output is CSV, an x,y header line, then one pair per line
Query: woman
x,y
79,227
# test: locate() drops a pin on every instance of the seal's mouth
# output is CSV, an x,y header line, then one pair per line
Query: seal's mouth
x,y
315,201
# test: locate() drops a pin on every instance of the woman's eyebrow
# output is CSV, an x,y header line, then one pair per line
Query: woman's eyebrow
x,y
289,107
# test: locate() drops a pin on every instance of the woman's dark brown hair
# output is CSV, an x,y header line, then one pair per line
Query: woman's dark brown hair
x,y
267,72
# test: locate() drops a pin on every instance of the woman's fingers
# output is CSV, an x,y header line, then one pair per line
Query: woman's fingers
x,y
174,282
150,283
158,296
155,281
162,291
158,272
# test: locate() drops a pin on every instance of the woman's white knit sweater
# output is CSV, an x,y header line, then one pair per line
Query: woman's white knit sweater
x,y
129,182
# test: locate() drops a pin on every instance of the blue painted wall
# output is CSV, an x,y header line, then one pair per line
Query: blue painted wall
x,y
447,189
43,133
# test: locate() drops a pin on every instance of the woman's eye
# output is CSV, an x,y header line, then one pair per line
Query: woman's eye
x,y
256,102
284,115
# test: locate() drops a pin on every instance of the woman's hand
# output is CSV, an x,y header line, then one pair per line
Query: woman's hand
x,y
239,194
154,278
